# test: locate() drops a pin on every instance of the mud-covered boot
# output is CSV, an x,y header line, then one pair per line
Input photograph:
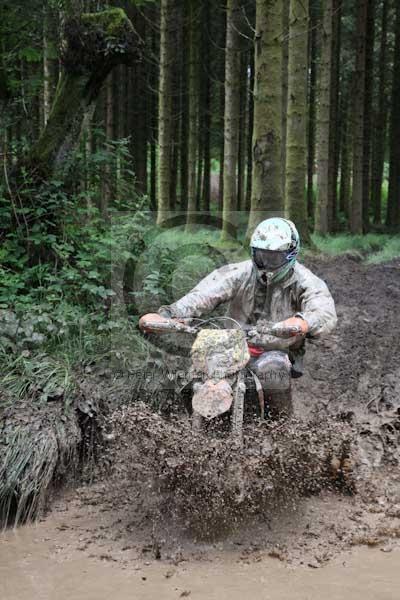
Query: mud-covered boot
x,y
279,404
273,370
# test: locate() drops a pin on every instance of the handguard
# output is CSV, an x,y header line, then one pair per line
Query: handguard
x,y
285,331
166,326
269,336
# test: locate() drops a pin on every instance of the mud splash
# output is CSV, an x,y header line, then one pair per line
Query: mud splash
x,y
210,483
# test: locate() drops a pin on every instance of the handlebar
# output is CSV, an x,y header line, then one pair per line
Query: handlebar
x,y
184,326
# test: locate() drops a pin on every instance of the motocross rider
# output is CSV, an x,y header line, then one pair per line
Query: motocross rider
x,y
271,287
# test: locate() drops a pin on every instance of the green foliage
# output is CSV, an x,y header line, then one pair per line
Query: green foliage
x,y
31,55
57,266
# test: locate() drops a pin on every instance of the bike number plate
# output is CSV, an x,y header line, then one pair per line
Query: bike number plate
x,y
212,399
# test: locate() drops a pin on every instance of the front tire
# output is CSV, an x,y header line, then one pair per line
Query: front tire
x,y
197,422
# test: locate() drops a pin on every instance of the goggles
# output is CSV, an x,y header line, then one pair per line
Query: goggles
x,y
270,259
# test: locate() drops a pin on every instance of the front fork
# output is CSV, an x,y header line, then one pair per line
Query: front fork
x,y
238,407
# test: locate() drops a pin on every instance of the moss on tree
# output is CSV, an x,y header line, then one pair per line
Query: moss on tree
x,y
113,21
92,46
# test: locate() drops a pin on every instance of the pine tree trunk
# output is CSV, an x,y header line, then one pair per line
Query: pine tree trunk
x,y
285,83
6,157
200,108
221,149
393,206
323,209
175,102
242,132
184,115
200,158
380,129
356,216
116,78
125,101
267,197
250,124
174,171
369,90
346,147
193,112
334,125
231,122
296,151
152,78
207,112
221,79
153,173
46,71
312,88
141,138
165,111
88,171
140,99
132,116
107,191
39,105
206,187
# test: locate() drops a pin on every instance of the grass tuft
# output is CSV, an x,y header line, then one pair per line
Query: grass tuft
x,y
35,444
390,251
373,247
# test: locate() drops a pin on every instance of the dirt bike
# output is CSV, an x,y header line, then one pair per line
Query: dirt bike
x,y
220,360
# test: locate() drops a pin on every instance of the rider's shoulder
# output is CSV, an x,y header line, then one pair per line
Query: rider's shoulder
x,y
305,276
237,269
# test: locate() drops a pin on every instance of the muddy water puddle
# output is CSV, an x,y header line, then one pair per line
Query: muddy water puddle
x,y
36,563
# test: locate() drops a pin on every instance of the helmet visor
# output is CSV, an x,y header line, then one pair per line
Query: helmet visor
x,y
269,259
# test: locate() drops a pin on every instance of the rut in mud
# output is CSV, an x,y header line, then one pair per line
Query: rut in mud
x,y
347,425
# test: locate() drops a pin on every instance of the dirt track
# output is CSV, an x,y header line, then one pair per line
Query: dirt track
x,y
353,375
357,367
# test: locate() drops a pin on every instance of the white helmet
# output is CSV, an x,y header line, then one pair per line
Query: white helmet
x,y
275,245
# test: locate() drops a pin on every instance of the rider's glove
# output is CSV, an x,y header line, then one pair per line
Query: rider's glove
x,y
292,327
146,321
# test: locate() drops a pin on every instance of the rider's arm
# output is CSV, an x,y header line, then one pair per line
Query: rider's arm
x,y
317,306
215,289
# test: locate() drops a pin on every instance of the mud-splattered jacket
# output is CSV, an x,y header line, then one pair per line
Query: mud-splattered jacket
x,y
301,293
